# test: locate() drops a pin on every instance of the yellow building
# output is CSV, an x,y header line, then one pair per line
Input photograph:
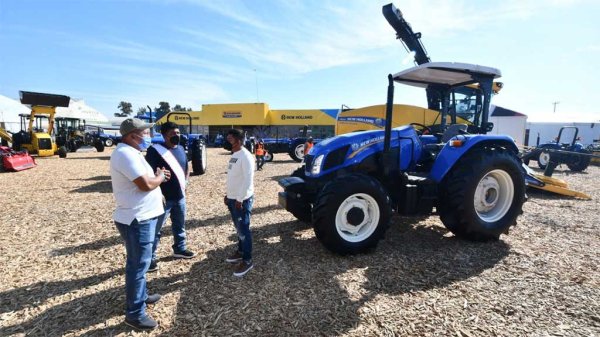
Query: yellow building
x,y
258,120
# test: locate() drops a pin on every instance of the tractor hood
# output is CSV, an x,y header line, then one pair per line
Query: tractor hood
x,y
351,149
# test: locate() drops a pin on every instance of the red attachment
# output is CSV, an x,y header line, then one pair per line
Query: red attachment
x,y
15,160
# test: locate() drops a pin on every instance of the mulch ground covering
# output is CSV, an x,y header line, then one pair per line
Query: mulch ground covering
x,y
62,266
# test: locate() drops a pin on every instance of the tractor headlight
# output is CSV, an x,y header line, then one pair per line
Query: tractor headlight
x,y
316,166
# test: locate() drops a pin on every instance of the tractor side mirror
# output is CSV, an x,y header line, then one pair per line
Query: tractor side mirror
x,y
489,126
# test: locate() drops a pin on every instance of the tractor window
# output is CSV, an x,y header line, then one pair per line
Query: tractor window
x,y
465,105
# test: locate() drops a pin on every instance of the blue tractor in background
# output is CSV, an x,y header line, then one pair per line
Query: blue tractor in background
x,y
193,143
570,152
294,147
350,184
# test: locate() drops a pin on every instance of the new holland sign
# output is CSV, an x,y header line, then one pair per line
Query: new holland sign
x,y
299,117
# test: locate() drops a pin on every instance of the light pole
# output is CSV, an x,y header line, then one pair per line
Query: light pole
x,y
555,104
256,83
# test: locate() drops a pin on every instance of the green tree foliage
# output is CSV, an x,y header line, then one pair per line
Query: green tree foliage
x,y
163,108
141,111
125,108
178,107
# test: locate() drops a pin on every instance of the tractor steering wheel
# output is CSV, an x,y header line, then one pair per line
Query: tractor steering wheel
x,y
425,130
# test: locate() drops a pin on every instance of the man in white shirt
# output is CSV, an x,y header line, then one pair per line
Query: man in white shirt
x,y
239,200
139,204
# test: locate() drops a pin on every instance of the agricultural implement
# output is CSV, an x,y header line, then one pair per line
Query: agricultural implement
x,y
550,155
11,160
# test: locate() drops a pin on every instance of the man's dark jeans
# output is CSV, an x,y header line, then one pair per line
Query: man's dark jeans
x,y
241,220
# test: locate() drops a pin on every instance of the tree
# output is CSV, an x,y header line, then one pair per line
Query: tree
x,y
125,108
163,108
178,107
141,111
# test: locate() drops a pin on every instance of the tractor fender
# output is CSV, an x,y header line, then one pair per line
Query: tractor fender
x,y
450,155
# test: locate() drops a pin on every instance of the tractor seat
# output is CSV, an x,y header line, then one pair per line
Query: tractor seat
x,y
453,130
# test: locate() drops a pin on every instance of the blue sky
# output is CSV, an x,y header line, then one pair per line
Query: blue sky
x,y
294,54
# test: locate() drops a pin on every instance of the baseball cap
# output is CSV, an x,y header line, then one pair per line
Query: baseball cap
x,y
133,124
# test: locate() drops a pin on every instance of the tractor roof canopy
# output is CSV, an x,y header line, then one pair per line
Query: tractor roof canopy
x,y
450,74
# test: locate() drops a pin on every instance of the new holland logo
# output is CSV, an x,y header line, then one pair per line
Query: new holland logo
x,y
232,114
284,117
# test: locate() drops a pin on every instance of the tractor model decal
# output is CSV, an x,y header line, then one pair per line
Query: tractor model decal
x,y
359,147
379,122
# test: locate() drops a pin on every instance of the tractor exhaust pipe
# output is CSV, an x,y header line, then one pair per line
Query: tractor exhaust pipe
x,y
389,107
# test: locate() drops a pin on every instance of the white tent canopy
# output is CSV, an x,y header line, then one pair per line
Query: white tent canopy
x,y
78,109
9,113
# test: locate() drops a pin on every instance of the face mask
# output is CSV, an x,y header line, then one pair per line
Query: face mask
x,y
175,140
146,142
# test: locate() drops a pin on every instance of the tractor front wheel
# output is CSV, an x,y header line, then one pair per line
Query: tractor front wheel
x,y
108,142
483,195
99,145
268,157
351,214
297,152
543,159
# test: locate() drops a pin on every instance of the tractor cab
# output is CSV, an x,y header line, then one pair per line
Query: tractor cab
x,y
459,92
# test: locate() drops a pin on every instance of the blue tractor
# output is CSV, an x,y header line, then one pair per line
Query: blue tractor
x,y
350,184
194,144
561,151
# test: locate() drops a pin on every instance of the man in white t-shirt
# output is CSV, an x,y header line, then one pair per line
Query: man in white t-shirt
x,y
139,204
239,200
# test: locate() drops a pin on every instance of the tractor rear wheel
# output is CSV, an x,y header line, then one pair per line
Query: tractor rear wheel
x,y
198,155
580,163
351,214
483,194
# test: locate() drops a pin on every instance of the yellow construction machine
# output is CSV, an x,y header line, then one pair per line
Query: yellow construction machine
x,y
37,127
5,137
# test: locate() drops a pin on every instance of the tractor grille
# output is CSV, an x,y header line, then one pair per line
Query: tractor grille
x,y
45,144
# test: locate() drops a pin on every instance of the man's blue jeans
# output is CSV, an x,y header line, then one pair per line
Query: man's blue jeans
x,y
138,237
241,220
175,208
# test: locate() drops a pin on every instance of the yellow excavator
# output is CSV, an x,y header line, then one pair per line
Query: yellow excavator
x,y
37,127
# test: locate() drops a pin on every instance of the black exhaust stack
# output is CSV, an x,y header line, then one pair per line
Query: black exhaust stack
x,y
389,107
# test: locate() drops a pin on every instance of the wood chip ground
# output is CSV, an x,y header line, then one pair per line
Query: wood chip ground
x,y
62,266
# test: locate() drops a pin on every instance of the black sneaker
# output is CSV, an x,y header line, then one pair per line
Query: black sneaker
x,y
151,299
153,266
145,323
186,254
242,268
235,258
